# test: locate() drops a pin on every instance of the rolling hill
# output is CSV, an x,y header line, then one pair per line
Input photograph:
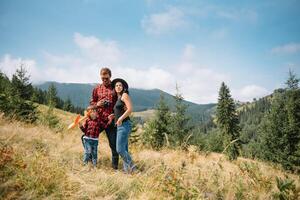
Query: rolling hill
x,y
143,100
37,162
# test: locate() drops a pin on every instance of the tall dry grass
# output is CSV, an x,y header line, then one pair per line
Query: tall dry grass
x,y
40,163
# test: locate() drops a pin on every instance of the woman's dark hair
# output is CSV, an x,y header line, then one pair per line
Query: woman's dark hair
x,y
125,90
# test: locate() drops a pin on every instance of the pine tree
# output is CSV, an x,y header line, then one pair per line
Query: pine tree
x,y
52,96
20,83
68,105
4,86
280,130
157,130
14,100
134,137
293,114
180,121
228,122
292,81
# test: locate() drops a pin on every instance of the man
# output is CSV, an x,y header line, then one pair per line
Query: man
x,y
104,98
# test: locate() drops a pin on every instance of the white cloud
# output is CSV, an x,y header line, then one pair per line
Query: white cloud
x,y
286,49
9,65
153,77
103,52
248,92
159,23
197,82
237,14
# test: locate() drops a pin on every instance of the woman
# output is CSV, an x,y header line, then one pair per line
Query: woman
x,y
122,110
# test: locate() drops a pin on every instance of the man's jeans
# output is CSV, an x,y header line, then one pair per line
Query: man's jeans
x,y
123,133
90,151
111,133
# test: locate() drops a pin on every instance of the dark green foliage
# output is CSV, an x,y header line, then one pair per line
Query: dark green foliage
x,y
180,128
211,141
50,119
14,97
228,122
4,86
39,96
17,97
166,128
280,130
292,81
134,135
286,189
52,99
68,105
157,130
20,84
250,117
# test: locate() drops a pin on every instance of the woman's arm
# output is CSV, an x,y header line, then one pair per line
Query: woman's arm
x,y
126,99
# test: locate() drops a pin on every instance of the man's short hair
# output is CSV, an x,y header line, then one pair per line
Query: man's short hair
x,y
105,70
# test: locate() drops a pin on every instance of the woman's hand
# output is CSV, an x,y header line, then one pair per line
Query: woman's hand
x,y
119,122
111,117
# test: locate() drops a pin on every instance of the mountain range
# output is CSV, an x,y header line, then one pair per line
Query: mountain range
x,y
80,94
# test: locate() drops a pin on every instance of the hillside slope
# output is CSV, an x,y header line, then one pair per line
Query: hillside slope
x,y
80,95
37,162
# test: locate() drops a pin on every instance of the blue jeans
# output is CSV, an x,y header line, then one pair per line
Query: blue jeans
x,y
90,151
123,133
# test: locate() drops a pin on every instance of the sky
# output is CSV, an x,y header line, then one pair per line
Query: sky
x,y
250,45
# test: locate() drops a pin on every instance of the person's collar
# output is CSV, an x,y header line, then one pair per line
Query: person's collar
x,y
107,86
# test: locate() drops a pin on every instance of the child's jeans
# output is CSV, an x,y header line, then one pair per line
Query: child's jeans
x,y
90,150
123,133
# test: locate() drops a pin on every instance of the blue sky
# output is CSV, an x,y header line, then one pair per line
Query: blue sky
x,y
250,45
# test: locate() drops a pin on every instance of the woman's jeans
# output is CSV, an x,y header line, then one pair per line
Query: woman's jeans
x,y
90,151
123,133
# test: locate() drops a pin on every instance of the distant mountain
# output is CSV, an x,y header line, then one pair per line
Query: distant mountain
x,y
80,95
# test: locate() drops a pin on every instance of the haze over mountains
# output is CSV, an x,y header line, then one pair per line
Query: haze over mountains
x,y
80,94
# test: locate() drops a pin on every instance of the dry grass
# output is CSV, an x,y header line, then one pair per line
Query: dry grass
x,y
38,163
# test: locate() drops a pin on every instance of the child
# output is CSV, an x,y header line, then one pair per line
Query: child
x,y
91,129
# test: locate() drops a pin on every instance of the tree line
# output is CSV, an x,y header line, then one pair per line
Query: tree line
x,y
18,97
267,129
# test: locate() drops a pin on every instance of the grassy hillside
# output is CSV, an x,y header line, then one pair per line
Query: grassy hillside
x,y
37,162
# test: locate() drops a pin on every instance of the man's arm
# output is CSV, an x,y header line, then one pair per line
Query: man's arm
x,y
94,98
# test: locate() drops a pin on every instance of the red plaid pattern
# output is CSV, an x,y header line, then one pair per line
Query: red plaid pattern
x,y
101,92
92,128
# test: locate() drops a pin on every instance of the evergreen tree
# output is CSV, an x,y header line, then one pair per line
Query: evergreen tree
x,y
52,99
158,129
228,123
39,96
180,121
292,81
280,130
68,105
134,137
4,85
20,83
14,97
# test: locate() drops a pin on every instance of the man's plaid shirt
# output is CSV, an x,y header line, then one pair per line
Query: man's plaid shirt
x,y
101,92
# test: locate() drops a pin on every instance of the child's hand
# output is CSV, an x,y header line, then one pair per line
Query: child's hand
x,y
81,123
